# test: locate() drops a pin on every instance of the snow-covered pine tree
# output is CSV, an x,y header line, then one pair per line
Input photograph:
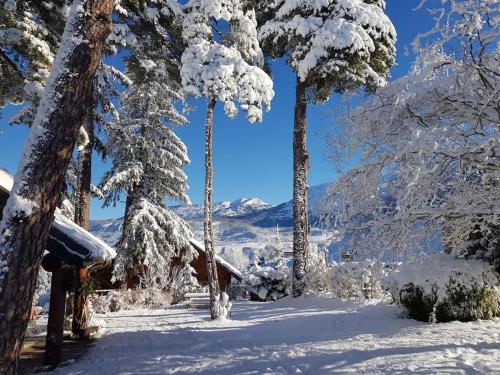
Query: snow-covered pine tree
x,y
147,155
268,277
100,112
29,38
332,46
147,165
229,71
29,211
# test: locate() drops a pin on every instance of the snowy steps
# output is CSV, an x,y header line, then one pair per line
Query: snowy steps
x,y
197,300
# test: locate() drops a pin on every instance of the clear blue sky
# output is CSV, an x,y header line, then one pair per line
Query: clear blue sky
x,y
249,160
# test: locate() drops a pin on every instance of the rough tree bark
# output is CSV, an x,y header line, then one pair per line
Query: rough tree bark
x,y
82,201
29,212
300,169
55,323
82,218
80,306
213,280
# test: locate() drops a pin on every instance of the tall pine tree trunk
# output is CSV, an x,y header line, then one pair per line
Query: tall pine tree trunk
x,y
82,203
29,211
213,282
300,168
132,273
82,218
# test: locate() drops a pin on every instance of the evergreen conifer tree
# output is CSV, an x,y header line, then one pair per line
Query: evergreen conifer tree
x,y
332,46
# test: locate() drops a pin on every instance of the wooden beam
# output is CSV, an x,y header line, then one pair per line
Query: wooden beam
x,y
55,325
80,308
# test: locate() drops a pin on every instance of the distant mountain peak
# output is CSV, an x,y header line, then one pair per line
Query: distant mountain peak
x,y
241,206
239,216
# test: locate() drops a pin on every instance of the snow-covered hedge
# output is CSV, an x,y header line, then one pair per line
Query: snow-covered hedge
x,y
318,280
442,288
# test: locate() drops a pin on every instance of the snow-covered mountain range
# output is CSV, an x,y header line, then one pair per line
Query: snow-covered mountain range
x,y
235,208
245,224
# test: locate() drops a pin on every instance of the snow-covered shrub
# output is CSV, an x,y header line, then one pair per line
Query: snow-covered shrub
x,y
442,288
183,281
235,257
129,299
268,278
481,242
101,303
237,290
317,280
358,280
42,291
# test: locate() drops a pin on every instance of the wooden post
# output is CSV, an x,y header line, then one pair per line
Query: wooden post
x,y
80,308
55,325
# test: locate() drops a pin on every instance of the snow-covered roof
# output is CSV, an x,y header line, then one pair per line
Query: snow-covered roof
x,y
73,244
232,269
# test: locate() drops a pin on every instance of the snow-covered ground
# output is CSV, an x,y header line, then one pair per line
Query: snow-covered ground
x,y
305,336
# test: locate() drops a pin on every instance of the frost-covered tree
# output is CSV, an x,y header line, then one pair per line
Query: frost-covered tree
x,y
332,46
145,30
226,70
28,213
147,165
152,236
430,146
101,113
30,35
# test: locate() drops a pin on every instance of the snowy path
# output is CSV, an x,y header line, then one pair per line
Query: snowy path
x,y
306,336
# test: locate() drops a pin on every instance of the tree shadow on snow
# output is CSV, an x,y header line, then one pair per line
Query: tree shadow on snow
x,y
269,338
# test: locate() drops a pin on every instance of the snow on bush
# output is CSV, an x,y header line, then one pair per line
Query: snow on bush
x,y
317,280
154,291
349,280
358,280
129,299
42,291
183,281
268,278
234,257
442,288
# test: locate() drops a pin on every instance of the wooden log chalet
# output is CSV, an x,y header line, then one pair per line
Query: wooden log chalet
x,y
225,270
69,249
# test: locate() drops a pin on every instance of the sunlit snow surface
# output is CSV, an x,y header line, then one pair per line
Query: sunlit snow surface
x,y
304,336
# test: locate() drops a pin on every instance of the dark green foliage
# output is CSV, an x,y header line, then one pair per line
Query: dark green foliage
x,y
466,301
463,298
483,242
418,304
89,287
